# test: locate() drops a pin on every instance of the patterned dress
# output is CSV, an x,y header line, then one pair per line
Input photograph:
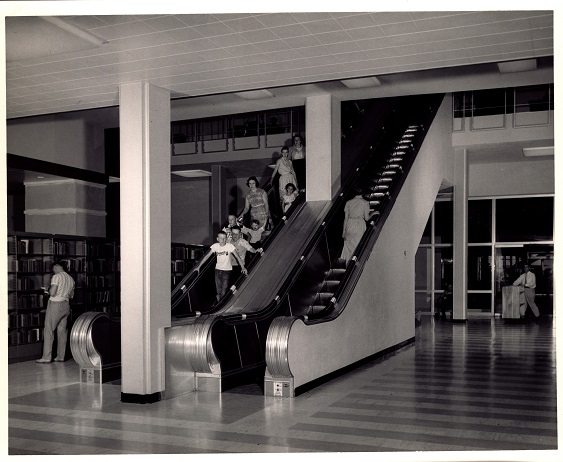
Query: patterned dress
x,y
257,201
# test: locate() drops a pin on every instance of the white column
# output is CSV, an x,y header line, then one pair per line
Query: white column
x,y
144,122
460,234
322,122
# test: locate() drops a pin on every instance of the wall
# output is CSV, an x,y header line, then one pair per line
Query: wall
x,y
190,211
73,139
381,309
536,176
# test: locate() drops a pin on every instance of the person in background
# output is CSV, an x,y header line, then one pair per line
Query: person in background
x,y
58,309
224,250
289,197
527,280
256,201
231,222
284,167
297,156
356,213
255,233
241,247
445,302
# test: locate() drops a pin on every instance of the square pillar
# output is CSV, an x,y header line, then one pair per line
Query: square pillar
x,y
322,121
144,120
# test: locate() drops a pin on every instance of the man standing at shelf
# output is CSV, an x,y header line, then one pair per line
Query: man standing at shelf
x,y
58,309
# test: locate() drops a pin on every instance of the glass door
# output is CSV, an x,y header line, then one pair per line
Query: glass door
x,y
509,265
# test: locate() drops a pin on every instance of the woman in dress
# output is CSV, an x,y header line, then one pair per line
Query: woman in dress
x,y
257,202
297,156
284,167
356,213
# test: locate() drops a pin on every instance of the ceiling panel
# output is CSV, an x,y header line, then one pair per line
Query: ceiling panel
x,y
212,53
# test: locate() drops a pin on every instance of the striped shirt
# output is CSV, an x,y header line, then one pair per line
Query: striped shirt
x,y
65,287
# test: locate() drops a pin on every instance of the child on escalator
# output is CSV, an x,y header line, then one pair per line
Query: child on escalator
x,y
255,233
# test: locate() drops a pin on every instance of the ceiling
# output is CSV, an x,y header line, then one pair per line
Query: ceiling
x,y
70,63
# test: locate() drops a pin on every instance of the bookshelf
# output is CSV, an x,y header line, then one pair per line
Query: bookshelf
x,y
184,258
92,262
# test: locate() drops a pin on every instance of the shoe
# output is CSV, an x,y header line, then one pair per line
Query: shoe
x,y
43,361
59,360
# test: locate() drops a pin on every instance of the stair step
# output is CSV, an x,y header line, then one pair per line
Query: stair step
x,y
330,286
314,309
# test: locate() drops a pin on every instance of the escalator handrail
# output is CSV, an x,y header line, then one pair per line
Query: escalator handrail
x,y
335,208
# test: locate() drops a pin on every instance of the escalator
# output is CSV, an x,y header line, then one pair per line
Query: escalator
x,y
194,295
302,277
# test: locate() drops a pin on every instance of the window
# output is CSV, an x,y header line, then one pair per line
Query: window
x,y
444,222
479,220
479,268
524,219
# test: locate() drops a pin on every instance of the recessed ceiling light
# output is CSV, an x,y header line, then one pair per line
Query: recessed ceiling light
x,y
192,173
538,152
522,65
255,94
40,177
364,82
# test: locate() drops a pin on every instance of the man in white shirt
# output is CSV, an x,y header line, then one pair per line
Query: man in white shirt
x,y
527,280
58,309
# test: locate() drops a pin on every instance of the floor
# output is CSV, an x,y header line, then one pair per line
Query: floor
x,y
486,385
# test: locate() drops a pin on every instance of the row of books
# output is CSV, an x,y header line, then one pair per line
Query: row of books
x,y
48,246
187,253
99,297
21,337
28,301
34,265
28,246
36,319
181,266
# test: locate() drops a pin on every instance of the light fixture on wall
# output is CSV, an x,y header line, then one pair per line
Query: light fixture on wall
x,y
255,94
192,173
522,65
538,151
364,82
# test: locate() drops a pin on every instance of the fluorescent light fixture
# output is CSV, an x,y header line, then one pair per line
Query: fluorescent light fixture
x,y
364,82
255,94
517,66
192,173
538,152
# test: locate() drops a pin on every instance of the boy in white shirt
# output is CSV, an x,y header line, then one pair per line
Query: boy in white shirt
x,y
223,250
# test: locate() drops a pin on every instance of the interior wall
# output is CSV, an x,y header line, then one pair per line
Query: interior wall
x,y
191,211
535,176
73,139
